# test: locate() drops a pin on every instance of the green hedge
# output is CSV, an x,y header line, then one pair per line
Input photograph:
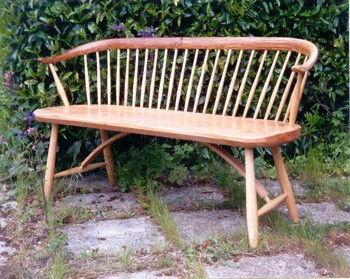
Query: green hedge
x,y
33,28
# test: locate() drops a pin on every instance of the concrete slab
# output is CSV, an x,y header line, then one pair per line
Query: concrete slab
x,y
196,227
5,251
193,197
124,203
322,213
279,266
146,274
113,236
274,189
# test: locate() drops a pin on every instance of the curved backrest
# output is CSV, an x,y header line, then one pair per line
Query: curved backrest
x,y
242,77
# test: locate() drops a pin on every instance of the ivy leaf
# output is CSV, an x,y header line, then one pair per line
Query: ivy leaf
x,y
93,27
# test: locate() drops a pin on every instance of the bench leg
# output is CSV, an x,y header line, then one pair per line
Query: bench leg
x,y
108,159
285,184
51,161
251,199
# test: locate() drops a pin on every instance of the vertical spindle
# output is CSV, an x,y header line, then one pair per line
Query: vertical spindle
x,y
117,79
171,82
277,86
233,82
87,80
241,88
134,90
179,88
98,78
200,83
286,90
222,81
267,82
153,80
211,81
161,85
144,78
189,88
126,85
255,83
109,80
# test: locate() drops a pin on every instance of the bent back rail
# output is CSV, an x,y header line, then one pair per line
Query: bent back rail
x,y
241,77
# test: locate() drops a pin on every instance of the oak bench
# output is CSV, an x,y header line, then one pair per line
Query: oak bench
x,y
242,92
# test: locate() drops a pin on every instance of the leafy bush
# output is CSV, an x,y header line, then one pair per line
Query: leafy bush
x,y
32,29
139,167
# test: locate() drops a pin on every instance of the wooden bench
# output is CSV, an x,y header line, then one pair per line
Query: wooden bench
x,y
242,92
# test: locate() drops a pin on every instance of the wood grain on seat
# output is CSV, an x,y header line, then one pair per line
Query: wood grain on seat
x,y
200,127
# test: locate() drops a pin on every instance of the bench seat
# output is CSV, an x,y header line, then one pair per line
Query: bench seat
x,y
208,128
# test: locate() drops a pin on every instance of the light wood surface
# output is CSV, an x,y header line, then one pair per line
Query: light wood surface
x,y
79,169
59,86
87,80
51,160
100,148
251,199
257,43
211,81
285,184
233,82
175,124
271,204
241,92
107,153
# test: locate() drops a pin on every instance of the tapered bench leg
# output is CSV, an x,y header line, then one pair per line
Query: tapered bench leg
x,y
108,159
285,184
251,199
51,161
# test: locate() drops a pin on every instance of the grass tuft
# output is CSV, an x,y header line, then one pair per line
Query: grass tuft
x,y
161,213
59,269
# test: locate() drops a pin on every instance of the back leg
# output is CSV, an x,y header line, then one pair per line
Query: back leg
x,y
284,183
108,159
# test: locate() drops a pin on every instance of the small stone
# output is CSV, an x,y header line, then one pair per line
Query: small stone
x,y
9,205
5,251
3,223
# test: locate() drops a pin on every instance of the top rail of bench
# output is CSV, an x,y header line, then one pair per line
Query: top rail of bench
x,y
252,43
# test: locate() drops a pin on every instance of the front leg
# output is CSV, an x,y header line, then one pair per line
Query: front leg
x,y
51,161
251,199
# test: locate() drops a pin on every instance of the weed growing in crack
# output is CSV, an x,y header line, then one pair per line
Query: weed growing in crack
x,y
22,192
193,264
126,257
161,213
73,214
59,269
